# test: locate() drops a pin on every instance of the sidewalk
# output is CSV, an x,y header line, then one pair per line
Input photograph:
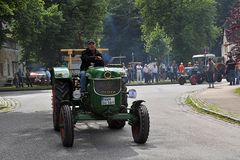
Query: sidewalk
x,y
224,98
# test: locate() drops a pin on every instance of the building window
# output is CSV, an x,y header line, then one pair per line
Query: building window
x,y
1,69
14,67
8,69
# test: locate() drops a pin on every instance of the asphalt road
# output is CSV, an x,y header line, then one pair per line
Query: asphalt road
x,y
176,132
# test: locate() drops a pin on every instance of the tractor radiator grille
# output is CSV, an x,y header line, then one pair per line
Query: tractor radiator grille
x,y
107,87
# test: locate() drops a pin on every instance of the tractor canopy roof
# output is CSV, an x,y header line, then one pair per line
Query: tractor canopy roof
x,y
204,56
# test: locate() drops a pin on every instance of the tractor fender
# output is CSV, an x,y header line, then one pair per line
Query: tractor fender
x,y
136,104
60,73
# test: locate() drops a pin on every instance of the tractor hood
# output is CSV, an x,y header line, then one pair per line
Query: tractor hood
x,y
105,73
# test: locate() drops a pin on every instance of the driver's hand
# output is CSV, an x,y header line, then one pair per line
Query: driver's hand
x,y
98,58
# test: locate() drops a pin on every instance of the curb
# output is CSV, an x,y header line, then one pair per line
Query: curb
x,y
201,105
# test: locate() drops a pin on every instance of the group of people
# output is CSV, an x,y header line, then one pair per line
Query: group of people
x,y
232,71
150,73
139,73
20,78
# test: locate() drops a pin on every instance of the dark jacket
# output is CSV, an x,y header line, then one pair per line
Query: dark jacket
x,y
88,57
230,64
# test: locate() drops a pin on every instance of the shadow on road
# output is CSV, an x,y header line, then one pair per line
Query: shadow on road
x,y
31,135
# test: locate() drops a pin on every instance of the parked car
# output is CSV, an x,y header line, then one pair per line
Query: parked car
x,y
38,76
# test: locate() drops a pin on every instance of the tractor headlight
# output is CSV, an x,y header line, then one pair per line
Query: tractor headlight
x,y
132,93
76,94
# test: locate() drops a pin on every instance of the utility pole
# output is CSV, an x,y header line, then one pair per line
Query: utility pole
x,y
132,56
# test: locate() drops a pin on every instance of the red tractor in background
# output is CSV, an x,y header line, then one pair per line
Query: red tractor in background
x,y
197,74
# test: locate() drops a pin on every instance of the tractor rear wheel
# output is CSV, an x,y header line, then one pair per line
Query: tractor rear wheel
x,y
200,79
60,91
66,126
140,129
218,77
193,80
181,80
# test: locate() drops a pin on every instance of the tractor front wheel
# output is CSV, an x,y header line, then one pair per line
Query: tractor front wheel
x,y
66,126
140,128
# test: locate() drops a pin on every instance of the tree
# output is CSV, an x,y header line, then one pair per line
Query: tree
x,y
157,43
7,10
83,21
190,24
30,24
44,27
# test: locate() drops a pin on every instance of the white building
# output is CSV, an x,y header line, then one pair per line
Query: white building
x,y
9,61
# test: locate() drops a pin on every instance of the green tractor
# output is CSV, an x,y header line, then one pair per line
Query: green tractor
x,y
105,99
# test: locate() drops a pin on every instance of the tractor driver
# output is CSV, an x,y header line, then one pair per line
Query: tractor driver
x,y
90,57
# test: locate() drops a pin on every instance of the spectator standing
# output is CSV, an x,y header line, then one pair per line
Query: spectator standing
x,y
16,80
130,73
20,77
210,73
155,73
48,74
237,71
139,73
181,68
189,64
231,70
28,80
146,73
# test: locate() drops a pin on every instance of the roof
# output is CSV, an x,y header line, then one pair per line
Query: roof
x,y
203,55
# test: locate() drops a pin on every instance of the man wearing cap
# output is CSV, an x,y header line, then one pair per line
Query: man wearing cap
x,y
90,57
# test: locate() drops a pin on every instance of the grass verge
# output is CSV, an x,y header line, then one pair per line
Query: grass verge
x,y
5,109
237,91
212,110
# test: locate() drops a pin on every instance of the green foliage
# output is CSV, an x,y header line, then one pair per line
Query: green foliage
x,y
42,28
157,43
237,91
190,24
83,21
7,10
